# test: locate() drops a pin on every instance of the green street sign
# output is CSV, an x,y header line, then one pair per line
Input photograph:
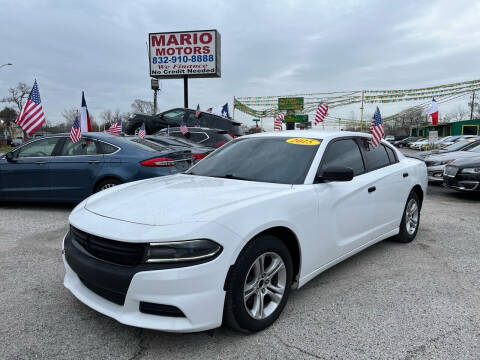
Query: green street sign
x,y
296,118
256,120
290,103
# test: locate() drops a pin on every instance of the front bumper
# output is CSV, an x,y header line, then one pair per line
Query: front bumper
x,y
197,291
462,183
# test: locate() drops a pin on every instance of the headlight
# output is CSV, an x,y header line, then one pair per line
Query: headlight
x,y
471,170
182,251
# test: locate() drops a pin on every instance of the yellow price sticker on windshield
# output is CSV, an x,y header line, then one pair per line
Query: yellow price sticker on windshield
x,y
303,141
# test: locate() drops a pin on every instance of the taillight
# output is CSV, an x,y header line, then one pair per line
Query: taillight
x,y
159,161
196,157
233,136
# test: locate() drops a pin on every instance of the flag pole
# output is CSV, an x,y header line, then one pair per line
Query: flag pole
x,y
361,111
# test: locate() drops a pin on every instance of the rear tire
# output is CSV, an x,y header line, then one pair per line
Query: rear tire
x,y
106,184
258,285
410,220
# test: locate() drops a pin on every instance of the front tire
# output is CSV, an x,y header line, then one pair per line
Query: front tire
x,y
258,285
410,220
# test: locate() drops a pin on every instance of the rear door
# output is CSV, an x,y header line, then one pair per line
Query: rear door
x,y
391,185
76,168
27,176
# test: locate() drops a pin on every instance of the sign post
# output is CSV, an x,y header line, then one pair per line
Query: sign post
x,y
184,54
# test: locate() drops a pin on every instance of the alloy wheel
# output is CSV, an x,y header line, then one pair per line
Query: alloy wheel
x,y
411,216
107,186
264,285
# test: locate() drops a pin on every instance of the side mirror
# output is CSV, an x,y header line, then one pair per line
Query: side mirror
x,y
9,157
335,173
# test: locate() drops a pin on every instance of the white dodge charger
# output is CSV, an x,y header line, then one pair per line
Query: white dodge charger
x,y
227,240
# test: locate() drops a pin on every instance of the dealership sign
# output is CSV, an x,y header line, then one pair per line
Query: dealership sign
x,y
292,103
194,54
296,118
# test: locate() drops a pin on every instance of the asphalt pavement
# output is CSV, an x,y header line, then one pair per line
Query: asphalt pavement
x,y
397,301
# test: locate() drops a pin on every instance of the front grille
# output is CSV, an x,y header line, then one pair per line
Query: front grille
x,y
115,297
116,252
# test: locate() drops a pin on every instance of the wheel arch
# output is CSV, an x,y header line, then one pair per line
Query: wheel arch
x,y
289,238
105,177
417,189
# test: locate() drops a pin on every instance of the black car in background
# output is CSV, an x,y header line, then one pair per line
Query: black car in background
x,y
204,136
198,151
463,175
405,142
174,117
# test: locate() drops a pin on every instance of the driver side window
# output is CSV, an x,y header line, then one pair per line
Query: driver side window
x,y
344,153
39,148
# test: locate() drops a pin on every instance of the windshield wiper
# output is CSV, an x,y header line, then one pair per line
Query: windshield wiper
x,y
231,176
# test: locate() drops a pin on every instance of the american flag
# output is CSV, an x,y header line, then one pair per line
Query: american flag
x,y
322,111
76,132
32,116
166,131
141,132
209,110
376,128
277,124
116,128
183,128
197,113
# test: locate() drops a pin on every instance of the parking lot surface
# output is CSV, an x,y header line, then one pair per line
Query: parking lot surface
x,y
402,301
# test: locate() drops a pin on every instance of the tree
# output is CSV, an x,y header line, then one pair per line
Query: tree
x,y
142,107
7,118
109,117
17,95
69,115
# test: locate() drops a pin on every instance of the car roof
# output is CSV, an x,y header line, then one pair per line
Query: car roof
x,y
314,134
177,128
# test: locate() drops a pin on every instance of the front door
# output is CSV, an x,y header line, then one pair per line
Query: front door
x,y
26,177
74,172
350,220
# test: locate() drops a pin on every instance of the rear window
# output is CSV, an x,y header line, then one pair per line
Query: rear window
x,y
375,157
216,140
143,144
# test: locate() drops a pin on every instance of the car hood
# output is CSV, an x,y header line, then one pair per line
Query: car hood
x,y
452,156
178,198
470,162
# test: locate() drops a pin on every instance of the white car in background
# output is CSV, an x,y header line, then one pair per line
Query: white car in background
x,y
227,240
418,145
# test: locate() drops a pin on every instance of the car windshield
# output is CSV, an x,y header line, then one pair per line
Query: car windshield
x,y
280,160
475,149
457,145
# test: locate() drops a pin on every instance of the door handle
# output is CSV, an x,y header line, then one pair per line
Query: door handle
x,y
41,162
405,174
372,189
93,161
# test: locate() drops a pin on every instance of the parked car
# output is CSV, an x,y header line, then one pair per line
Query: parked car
x,y
406,142
229,239
453,139
198,151
390,138
436,163
53,168
174,117
463,175
464,145
203,136
419,144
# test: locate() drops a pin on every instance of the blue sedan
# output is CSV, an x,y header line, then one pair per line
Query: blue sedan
x,y
52,168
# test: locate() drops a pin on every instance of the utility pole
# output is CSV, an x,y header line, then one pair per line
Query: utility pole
x,y
155,87
472,105
361,111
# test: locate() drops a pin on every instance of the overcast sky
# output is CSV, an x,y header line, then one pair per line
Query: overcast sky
x,y
268,48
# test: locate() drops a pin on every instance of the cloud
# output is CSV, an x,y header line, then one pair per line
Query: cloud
x,y
268,48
